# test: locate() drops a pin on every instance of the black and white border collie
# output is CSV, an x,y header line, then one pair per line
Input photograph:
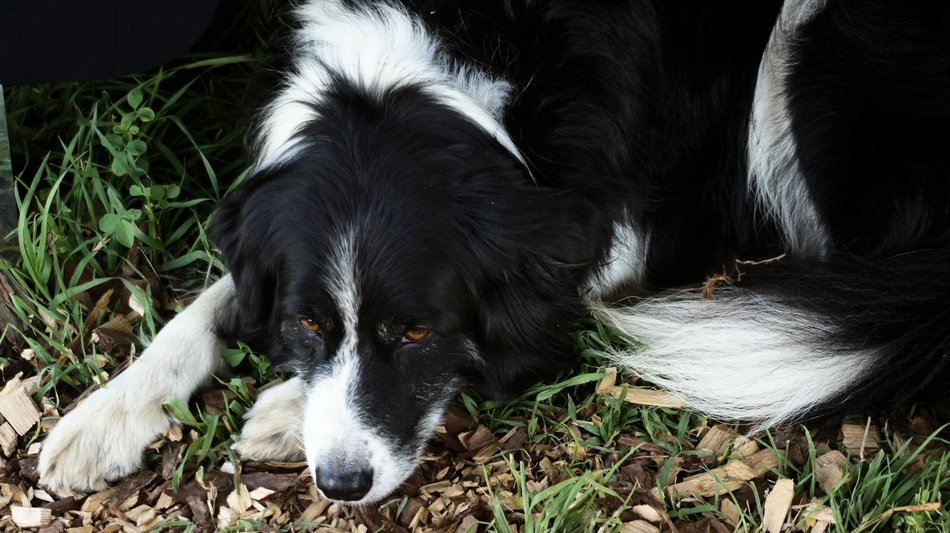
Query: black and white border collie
x,y
441,187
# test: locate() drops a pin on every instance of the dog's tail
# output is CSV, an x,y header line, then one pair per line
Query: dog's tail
x,y
788,340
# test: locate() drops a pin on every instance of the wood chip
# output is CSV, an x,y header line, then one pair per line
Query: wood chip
x,y
164,501
514,439
143,514
30,516
54,527
419,519
260,493
93,315
42,495
116,334
762,461
860,439
743,447
239,499
17,407
777,505
608,383
717,440
814,516
469,524
486,453
409,512
137,306
477,439
829,470
730,511
726,478
436,488
93,504
653,397
638,526
8,437
313,511
647,513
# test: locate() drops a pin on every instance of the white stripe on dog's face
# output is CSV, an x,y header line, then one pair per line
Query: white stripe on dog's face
x,y
343,280
336,437
336,434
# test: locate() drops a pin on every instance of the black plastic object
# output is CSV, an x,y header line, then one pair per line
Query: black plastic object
x,y
77,40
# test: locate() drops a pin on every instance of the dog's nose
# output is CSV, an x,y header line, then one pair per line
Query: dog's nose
x,y
344,485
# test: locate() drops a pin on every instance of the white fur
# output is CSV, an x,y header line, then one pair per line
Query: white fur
x,y
344,285
626,261
334,433
102,439
333,429
273,427
740,356
774,173
379,49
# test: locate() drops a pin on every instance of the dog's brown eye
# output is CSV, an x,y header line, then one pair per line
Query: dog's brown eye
x,y
310,325
414,334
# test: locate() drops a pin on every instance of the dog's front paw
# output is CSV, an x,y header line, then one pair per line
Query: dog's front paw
x,y
272,427
101,440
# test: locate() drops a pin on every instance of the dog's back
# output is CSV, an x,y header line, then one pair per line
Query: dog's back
x,y
707,134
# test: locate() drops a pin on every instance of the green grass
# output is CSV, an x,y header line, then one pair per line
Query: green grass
x,y
102,203
116,182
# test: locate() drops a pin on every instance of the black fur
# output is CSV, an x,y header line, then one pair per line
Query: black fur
x,y
871,106
632,111
463,201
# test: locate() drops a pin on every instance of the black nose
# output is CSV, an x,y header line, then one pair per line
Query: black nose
x,y
344,485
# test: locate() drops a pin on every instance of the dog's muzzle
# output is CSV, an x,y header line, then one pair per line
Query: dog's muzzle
x,y
344,483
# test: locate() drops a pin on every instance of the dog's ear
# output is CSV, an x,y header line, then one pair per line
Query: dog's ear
x,y
532,246
243,230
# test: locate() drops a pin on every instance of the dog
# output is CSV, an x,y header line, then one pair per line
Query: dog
x,y
440,188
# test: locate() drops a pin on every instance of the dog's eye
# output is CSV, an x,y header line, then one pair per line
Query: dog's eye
x,y
310,325
414,334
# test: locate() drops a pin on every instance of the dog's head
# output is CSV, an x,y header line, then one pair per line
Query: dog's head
x,y
399,255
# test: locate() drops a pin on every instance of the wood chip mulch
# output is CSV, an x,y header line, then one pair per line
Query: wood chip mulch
x,y
451,491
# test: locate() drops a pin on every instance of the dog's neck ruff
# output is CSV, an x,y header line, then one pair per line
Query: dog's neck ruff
x,y
377,48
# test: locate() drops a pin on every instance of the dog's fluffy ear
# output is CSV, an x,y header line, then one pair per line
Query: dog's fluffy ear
x,y
243,231
528,269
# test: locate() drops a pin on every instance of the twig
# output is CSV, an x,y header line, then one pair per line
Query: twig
x,y
864,439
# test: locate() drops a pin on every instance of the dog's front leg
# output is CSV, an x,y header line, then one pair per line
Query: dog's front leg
x,y
102,439
273,427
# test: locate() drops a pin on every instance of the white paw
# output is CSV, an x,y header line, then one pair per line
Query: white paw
x,y
101,440
272,426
